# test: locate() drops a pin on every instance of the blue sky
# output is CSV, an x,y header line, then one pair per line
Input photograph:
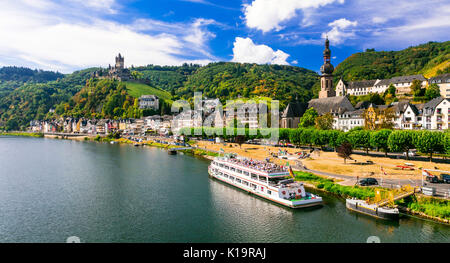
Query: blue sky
x,y
68,35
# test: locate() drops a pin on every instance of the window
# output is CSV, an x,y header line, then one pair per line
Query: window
x,y
269,192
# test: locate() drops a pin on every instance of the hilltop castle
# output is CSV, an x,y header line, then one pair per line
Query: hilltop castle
x,y
118,72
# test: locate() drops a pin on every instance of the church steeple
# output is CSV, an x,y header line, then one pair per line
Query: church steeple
x,y
326,80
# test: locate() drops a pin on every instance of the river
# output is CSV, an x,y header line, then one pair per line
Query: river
x,y
53,189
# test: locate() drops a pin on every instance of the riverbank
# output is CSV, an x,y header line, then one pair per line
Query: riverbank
x,y
24,134
329,162
418,205
437,211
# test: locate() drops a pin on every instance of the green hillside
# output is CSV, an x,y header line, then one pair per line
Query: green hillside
x,y
136,90
31,100
429,59
231,80
227,80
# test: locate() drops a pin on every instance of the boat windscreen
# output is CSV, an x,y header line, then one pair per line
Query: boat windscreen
x,y
287,181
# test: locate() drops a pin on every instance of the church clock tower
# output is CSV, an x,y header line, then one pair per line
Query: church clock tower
x,y
326,80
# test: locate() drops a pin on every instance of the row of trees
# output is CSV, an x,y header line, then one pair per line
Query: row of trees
x,y
384,140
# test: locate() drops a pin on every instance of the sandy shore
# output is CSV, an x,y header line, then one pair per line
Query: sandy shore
x,y
331,163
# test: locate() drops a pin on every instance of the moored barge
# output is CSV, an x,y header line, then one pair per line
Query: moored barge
x,y
381,212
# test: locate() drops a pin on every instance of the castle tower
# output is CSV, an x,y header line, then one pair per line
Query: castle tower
x,y
120,62
326,80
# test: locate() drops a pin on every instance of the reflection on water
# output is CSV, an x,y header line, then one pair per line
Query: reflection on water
x,y
53,189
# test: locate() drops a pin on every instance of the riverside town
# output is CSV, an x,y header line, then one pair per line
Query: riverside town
x,y
224,122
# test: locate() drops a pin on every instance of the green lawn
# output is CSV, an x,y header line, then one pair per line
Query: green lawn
x,y
138,89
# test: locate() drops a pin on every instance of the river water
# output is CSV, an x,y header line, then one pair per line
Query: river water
x,y
53,189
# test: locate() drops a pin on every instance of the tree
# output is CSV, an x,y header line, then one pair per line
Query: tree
x,y
295,136
432,91
360,138
429,142
345,151
447,142
333,136
320,137
284,134
239,139
306,137
401,141
416,88
378,118
390,90
379,140
308,119
324,122
341,139
12,124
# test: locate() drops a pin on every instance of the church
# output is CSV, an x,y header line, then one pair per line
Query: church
x,y
327,102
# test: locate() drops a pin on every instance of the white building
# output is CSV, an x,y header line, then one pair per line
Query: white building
x,y
187,119
356,88
402,84
149,102
348,120
443,81
436,114
408,116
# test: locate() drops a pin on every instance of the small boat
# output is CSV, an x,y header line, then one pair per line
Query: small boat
x,y
381,212
172,152
137,144
112,142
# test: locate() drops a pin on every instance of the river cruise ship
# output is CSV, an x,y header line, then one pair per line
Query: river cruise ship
x,y
264,179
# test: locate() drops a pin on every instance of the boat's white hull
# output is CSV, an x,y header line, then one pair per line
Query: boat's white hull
x,y
317,200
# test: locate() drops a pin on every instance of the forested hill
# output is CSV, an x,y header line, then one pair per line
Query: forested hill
x,y
22,74
228,80
32,100
14,77
224,80
429,59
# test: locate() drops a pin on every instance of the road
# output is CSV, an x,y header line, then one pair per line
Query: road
x,y
441,189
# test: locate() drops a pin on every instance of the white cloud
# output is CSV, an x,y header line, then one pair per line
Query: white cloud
x,y
267,15
405,23
110,6
338,34
343,23
46,38
379,20
246,51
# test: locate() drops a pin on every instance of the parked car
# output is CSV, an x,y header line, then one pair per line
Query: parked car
x,y
368,181
432,179
410,153
445,178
